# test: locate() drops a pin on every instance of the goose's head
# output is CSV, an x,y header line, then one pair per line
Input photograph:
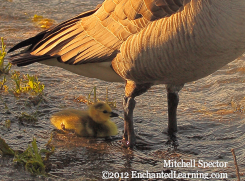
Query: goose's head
x,y
101,112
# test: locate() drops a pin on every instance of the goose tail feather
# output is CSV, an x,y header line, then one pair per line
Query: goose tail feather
x,y
25,57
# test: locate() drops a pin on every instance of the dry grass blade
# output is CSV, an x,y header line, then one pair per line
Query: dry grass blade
x,y
235,162
89,101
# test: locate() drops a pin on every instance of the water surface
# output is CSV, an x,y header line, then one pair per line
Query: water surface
x,y
210,113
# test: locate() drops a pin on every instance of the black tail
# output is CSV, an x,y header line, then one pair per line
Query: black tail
x,y
26,58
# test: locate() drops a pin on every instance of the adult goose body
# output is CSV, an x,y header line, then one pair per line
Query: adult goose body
x,y
143,43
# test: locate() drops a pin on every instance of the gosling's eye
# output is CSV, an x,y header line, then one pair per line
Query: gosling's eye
x,y
105,111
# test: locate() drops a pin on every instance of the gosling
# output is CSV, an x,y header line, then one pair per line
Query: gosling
x,y
95,122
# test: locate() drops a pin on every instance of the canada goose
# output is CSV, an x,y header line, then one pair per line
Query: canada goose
x,y
93,122
144,43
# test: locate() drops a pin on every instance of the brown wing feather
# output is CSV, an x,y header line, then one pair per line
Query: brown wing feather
x,y
98,36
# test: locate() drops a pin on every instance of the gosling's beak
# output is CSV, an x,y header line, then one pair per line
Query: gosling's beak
x,y
114,114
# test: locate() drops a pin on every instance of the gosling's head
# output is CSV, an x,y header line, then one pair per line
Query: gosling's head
x,y
101,112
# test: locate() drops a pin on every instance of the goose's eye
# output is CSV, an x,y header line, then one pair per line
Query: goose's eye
x,y
105,111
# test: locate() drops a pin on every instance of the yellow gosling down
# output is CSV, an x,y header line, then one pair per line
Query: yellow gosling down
x,y
94,122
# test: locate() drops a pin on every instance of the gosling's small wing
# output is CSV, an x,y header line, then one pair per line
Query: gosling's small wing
x,y
108,129
95,36
70,119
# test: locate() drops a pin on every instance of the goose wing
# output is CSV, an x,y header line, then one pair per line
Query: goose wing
x,y
96,35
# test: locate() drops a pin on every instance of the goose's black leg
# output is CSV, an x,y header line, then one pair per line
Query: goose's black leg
x,y
131,91
128,136
173,100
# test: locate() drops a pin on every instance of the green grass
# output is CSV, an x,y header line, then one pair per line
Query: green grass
x,y
2,84
17,84
29,118
21,83
26,84
4,69
5,149
33,158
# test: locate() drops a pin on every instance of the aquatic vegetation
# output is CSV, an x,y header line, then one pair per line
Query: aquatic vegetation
x,y
5,105
111,102
32,158
2,84
50,147
18,84
4,69
238,105
95,96
43,22
23,83
16,78
7,124
37,18
5,149
34,84
26,84
29,118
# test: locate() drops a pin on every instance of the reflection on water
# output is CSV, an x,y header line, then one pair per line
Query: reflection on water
x,y
210,114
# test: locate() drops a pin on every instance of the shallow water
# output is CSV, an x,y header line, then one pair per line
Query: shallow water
x,y
210,113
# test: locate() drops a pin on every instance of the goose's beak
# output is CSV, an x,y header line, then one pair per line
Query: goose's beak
x,y
114,114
